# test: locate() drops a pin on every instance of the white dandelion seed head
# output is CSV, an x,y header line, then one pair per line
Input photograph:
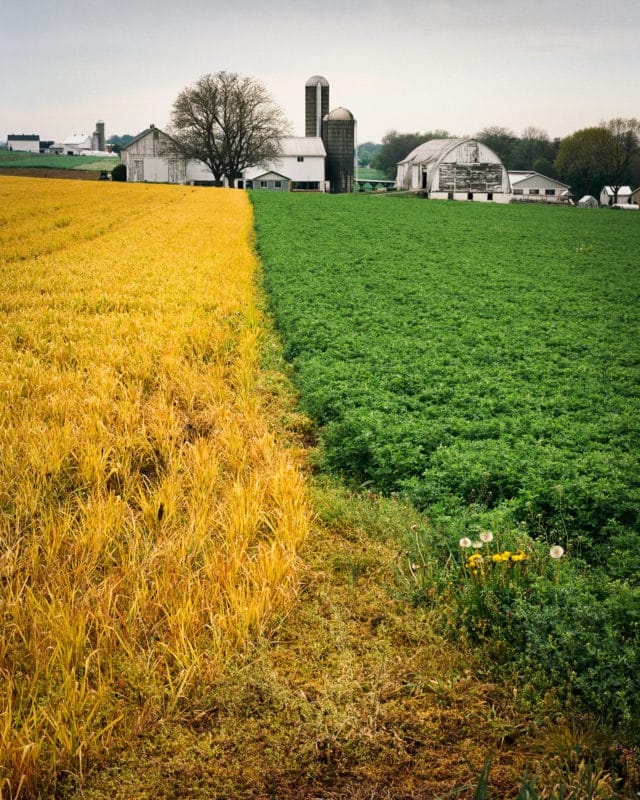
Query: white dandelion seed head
x,y
465,542
477,545
556,551
486,536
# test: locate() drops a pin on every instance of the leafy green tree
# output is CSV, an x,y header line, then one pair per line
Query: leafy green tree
x,y
118,142
367,152
582,159
397,146
501,141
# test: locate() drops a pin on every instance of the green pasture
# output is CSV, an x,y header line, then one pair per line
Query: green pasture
x,y
10,158
483,361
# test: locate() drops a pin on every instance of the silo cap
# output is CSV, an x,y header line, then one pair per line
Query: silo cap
x,y
339,114
314,80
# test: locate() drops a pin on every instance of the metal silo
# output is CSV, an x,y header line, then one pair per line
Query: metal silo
x,y
316,104
339,137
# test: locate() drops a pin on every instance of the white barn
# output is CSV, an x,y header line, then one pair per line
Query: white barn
x,y
151,157
533,187
454,169
301,167
24,142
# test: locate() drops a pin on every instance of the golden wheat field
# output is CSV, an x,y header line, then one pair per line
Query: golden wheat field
x,y
149,514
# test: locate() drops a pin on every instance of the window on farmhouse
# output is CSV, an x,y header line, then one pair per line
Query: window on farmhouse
x,y
550,192
263,184
300,158
278,184
518,191
534,191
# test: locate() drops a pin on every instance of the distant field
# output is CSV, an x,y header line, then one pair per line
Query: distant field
x,y
365,173
35,160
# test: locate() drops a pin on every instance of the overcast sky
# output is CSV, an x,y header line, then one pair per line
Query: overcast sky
x,y
412,65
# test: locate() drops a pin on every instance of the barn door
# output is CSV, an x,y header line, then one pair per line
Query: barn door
x,y
176,170
137,170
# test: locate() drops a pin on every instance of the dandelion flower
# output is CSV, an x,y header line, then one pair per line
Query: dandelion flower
x,y
464,542
477,545
556,551
521,556
486,536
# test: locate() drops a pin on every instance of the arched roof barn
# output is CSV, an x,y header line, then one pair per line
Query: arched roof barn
x,y
455,169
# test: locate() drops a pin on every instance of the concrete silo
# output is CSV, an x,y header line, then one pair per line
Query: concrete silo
x,y
339,137
316,104
97,139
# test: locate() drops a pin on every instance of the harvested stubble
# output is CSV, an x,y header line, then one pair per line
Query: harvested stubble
x,y
149,515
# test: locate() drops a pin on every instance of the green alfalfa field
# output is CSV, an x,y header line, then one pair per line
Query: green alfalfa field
x,y
482,362
470,373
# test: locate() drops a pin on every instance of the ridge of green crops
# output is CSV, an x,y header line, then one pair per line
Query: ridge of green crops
x,y
468,353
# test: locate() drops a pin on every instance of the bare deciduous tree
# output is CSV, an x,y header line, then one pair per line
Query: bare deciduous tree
x,y
229,122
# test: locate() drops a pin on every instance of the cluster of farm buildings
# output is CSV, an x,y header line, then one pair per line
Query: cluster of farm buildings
x,y
325,160
75,144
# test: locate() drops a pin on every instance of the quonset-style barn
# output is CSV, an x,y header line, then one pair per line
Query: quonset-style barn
x,y
454,169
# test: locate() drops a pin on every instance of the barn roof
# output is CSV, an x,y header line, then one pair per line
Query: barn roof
x,y
75,138
433,150
517,176
144,133
621,190
23,137
302,146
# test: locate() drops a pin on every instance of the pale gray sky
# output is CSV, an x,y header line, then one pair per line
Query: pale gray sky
x,y
560,65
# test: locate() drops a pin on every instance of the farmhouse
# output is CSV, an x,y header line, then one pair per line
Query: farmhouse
x,y
532,187
83,144
607,195
635,196
301,166
24,142
454,169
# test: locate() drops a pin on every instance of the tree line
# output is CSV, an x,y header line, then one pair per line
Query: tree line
x,y
606,154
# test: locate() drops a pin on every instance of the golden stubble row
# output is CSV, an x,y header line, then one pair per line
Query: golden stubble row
x,y
149,513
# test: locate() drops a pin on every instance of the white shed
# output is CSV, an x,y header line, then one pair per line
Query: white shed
x,y
588,201
454,169
533,187
607,195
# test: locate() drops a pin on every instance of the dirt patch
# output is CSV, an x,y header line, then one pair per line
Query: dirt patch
x,y
47,172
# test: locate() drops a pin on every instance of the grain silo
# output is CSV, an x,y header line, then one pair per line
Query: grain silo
x,y
339,137
316,96
97,139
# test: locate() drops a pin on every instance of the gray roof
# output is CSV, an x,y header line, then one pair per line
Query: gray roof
x,y
432,150
302,146
23,137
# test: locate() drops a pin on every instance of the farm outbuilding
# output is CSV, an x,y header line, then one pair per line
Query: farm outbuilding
x,y
532,187
24,142
588,201
608,195
454,169
301,166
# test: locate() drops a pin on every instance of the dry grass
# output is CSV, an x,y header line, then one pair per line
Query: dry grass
x,y
149,517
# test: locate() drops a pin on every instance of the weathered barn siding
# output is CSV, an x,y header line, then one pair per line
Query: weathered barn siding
x,y
455,169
